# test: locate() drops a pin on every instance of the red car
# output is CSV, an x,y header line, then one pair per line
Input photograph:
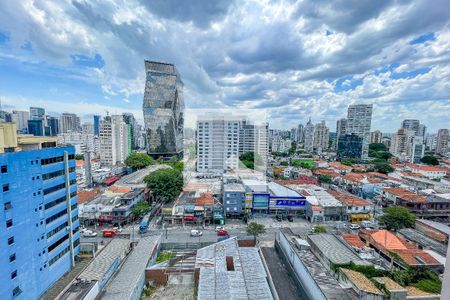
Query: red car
x,y
222,232
109,233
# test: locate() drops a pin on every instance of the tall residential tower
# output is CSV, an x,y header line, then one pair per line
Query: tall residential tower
x,y
359,119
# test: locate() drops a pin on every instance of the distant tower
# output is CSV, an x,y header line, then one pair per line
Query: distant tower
x,y
88,168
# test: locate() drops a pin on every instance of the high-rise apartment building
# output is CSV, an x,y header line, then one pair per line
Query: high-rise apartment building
x,y
36,127
399,144
39,235
114,143
359,119
321,137
422,131
376,137
87,128
442,141
411,125
309,137
218,143
163,108
416,149
134,129
69,123
5,116
254,138
341,126
21,119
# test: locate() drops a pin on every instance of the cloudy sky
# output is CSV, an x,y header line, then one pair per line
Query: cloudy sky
x,y
293,59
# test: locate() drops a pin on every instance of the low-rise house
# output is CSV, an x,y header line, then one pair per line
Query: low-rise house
x,y
233,199
435,230
364,288
320,205
403,197
340,168
422,241
430,172
358,209
123,212
399,253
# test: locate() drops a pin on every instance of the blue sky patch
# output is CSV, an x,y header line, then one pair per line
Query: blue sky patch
x,y
86,61
423,38
4,37
410,74
347,83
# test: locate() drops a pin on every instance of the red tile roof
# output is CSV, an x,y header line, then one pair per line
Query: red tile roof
x,y
428,168
337,165
323,171
405,194
87,195
353,240
205,199
349,200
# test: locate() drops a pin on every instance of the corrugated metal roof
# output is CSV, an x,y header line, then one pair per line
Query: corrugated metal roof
x,y
126,283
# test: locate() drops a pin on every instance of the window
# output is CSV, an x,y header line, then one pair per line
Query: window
x,y
6,187
7,205
14,274
16,291
4,169
10,241
9,223
12,258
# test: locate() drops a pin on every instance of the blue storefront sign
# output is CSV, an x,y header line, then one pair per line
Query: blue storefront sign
x,y
286,202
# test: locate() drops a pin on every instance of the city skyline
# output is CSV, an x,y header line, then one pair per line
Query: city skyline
x,y
402,71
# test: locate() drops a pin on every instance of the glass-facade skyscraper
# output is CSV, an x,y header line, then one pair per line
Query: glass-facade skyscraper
x,y
163,108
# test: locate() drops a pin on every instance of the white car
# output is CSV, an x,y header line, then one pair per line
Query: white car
x,y
118,229
220,228
89,233
195,232
355,227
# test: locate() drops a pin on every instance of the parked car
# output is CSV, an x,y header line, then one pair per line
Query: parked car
x,y
118,229
222,232
195,232
340,225
279,218
290,218
355,227
367,224
219,228
284,217
89,233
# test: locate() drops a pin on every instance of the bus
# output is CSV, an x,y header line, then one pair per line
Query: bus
x,y
143,226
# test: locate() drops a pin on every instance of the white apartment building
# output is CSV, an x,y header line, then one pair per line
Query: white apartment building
x,y
82,142
359,119
69,123
280,145
254,138
376,137
309,137
321,137
399,144
21,119
114,147
218,143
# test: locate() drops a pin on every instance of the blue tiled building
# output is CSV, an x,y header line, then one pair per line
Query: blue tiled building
x,y
38,241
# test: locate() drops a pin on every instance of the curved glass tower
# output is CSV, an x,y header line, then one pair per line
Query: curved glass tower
x,y
163,109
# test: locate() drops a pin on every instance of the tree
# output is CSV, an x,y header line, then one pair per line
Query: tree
x,y
429,160
378,147
79,157
384,168
255,229
325,178
165,184
319,229
137,160
249,159
176,163
397,217
293,149
347,162
141,208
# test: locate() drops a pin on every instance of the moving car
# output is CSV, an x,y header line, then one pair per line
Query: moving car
x,y
221,232
195,232
290,218
118,229
109,233
220,228
355,227
89,233
279,218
